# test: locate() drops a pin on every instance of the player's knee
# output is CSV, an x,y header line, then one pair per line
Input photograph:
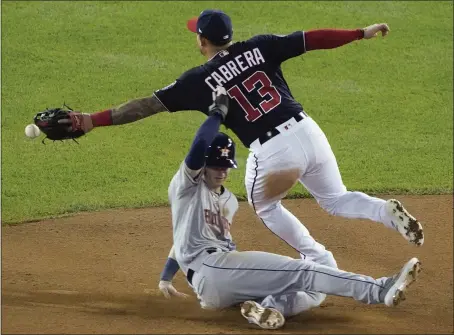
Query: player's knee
x,y
324,257
307,300
330,205
330,260
318,299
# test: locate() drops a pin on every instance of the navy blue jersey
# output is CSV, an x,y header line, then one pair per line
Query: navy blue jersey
x,y
251,73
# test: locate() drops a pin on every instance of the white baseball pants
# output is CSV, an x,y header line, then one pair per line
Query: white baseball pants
x,y
303,146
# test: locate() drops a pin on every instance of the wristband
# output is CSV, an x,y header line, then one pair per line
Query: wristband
x,y
101,119
362,33
170,269
222,114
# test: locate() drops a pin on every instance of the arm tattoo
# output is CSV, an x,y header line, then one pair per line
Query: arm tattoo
x,y
136,109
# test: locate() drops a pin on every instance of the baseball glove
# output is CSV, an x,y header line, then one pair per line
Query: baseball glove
x,y
60,124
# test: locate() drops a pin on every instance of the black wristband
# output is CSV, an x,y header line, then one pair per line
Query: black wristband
x,y
170,269
218,111
362,32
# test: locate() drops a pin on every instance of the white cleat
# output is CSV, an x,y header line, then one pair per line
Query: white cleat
x,y
404,223
264,317
394,290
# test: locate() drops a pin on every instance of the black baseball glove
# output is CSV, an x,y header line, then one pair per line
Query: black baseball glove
x,y
61,123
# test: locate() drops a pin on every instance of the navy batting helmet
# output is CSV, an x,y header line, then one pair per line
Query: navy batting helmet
x,y
221,152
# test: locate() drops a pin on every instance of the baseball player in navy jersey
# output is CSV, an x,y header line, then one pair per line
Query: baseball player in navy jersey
x,y
268,286
286,145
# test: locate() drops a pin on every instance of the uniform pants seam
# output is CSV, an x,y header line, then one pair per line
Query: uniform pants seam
x,y
296,270
253,206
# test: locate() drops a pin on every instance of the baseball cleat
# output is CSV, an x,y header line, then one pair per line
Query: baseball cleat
x,y
394,291
404,223
264,317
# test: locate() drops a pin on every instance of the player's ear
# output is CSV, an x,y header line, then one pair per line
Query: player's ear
x,y
203,41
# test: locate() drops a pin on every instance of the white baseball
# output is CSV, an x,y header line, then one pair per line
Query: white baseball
x,y
32,131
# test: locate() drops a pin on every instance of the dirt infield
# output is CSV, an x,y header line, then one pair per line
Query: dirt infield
x,y
98,273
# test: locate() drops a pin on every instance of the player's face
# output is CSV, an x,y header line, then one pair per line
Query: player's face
x,y
215,176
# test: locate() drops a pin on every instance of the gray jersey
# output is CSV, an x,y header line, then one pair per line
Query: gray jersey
x,y
201,218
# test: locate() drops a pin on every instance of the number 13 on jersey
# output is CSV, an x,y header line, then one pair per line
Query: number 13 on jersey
x,y
271,97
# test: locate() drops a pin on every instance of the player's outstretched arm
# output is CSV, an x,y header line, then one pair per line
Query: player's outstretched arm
x,y
128,112
167,275
133,110
333,38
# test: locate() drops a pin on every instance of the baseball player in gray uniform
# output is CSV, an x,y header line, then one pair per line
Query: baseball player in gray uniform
x,y
268,286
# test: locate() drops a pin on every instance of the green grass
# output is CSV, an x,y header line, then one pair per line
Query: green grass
x,y
385,104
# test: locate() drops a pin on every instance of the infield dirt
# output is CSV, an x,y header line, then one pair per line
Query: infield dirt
x,y
98,273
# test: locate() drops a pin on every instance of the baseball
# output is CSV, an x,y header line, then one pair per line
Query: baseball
x,y
32,131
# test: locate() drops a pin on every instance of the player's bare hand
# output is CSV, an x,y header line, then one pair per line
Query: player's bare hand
x,y
168,290
373,30
78,121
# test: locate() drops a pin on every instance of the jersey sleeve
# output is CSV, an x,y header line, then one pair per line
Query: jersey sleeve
x,y
280,48
181,94
183,181
230,207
